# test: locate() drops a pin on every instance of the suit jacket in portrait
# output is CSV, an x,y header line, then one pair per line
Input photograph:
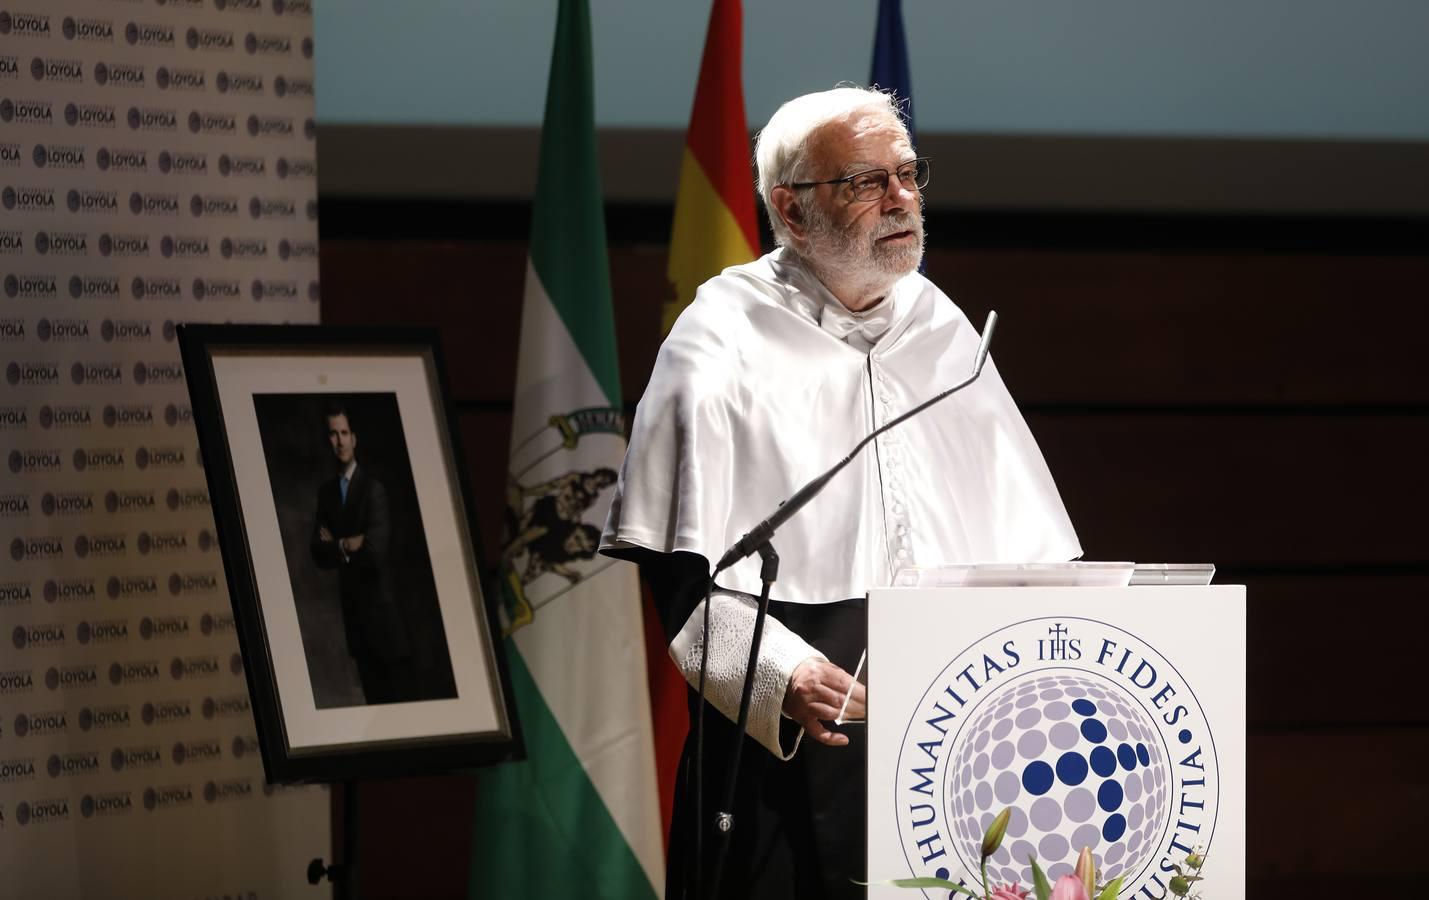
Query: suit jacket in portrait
x,y
371,614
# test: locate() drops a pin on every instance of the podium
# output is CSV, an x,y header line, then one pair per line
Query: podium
x,y
1103,717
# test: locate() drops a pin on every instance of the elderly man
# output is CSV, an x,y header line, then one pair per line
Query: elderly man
x,y
772,374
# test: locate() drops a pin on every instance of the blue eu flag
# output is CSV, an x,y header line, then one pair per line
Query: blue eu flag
x,y
890,65
890,59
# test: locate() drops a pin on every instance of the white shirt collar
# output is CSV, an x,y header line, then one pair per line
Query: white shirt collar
x,y
815,302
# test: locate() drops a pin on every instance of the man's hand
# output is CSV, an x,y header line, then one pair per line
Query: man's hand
x,y
352,544
815,693
324,535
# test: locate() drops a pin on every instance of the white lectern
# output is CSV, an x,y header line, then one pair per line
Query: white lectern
x,y
1104,717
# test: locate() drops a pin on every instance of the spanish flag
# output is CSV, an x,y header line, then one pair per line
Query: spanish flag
x,y
715,223
714,227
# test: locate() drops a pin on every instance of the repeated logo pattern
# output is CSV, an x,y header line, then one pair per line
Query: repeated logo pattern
x,y
154,157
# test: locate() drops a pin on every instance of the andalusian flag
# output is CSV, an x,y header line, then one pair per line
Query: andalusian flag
x,y
715,225
579,817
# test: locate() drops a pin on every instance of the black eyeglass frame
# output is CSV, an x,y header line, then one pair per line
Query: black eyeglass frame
x,y
923,162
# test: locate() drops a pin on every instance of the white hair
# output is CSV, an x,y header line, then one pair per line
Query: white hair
x,y
781,148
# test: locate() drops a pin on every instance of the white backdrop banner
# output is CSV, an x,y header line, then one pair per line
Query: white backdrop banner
x,y
157,165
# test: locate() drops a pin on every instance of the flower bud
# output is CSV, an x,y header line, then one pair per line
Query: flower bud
x,y
992,838
1087,870
1069,888
1180,886
1196,860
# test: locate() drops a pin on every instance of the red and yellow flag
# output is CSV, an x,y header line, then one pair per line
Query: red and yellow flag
x,y
714,227
715,223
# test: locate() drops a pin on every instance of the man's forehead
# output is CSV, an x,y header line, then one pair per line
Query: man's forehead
x,y
860,141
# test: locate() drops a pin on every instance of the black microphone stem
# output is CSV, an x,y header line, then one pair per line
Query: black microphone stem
x,y
724,820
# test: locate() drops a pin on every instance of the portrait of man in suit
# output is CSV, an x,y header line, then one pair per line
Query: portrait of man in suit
x,y
354,539
352,533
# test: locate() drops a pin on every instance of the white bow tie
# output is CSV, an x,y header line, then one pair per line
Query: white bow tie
x,y
860,330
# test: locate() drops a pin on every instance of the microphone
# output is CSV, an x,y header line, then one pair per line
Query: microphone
x,y
761,533
986,342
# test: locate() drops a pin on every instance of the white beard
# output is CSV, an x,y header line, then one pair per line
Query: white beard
x,y
844,261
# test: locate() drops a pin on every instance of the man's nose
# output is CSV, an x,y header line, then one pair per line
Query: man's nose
x,y
898,196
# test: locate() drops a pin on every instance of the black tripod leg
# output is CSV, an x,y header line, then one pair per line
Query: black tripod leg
x,y
724,819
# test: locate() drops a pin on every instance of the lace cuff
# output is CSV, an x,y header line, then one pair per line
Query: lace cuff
x,y
731,628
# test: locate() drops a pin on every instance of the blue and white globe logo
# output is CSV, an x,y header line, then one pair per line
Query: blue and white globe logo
x,y
1086,767
1089,735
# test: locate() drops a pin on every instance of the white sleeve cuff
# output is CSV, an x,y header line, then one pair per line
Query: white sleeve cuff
x,y
732,617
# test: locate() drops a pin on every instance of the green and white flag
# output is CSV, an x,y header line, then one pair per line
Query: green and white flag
x,y
580,816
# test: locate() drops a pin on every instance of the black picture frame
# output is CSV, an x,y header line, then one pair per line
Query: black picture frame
x,y
431,718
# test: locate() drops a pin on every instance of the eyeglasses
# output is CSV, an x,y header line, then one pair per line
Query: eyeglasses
x,y
873,184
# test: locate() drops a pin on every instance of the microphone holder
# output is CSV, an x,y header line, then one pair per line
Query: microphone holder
x,y
724,819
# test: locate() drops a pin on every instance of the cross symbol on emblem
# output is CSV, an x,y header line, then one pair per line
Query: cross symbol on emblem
x,y
1056,648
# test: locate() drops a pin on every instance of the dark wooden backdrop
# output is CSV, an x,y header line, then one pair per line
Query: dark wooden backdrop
x,y
1249,391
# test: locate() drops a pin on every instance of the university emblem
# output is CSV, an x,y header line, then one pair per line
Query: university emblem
x,y
1086,732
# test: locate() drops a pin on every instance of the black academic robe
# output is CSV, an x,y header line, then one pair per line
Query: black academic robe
x,y
799,825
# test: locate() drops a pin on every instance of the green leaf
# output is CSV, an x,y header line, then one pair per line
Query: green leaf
x,y
1111,891
924,882
1039,880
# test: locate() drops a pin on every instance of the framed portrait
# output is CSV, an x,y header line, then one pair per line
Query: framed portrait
x,y
343,516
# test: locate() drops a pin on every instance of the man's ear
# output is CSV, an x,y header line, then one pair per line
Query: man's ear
x,y
790,211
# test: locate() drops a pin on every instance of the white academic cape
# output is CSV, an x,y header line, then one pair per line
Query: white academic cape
x,y
753,394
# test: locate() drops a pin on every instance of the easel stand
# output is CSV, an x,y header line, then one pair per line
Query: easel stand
x,y
343,875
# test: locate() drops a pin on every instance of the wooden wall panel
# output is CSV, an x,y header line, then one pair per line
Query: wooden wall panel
x,y
1242,490
1263,411
472,292
1334,650
1092,328
414,838
1336,806
1195,329
486,442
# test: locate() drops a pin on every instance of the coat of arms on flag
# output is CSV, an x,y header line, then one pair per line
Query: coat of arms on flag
x,y
552,488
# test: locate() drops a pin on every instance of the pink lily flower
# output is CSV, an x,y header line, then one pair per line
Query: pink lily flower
x,y
1069,887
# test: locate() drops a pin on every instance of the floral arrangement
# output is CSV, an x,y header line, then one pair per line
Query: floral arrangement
x,y
1080,885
